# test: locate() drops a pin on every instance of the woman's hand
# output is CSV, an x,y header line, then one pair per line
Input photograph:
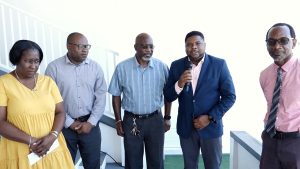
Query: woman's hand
x,y
42,145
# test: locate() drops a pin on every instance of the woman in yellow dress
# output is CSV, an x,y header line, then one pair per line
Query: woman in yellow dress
x,y
31,114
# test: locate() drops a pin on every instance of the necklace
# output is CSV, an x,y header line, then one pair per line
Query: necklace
x,y
23,83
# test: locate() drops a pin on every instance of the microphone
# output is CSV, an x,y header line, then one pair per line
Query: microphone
x,y
188,85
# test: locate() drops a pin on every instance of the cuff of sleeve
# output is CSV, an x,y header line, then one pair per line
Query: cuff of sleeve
x,y
69,121
177,88
93,120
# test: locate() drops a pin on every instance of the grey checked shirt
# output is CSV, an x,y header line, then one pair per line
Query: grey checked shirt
x,y
82,87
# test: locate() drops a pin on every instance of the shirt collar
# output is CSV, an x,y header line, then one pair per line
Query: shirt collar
x,y
86,61
136,63
200,63
287,66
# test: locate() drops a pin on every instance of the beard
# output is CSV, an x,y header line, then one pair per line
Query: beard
x,y
146,58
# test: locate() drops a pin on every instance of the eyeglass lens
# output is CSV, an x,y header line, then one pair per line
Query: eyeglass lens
x,y
281,41
84,46
81,46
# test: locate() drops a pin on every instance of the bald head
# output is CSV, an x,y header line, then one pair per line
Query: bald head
x,y
78,47
144,48
74,36
142,37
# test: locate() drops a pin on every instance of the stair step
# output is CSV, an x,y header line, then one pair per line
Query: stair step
x,y
79,165
113,166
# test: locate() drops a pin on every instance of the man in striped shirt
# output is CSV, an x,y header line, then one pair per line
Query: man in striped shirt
x,y
137,86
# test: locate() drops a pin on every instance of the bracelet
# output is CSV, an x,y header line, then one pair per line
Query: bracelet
x,y
30,140
54,133
118,121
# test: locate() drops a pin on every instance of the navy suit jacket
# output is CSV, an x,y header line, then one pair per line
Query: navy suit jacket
x,y
214,96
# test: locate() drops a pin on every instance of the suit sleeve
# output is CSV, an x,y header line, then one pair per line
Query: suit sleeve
x,y
227,94
169,89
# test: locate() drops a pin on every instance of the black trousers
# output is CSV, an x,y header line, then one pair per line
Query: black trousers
x,y
150,137
280,153
89,146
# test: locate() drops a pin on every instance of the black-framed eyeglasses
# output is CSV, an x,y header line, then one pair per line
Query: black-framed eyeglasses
x,y
280,41
81,46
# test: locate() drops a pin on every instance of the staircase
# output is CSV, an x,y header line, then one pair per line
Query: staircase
x,y
113,166
104,164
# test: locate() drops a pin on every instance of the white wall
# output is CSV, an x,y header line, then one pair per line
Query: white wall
x,y
234,30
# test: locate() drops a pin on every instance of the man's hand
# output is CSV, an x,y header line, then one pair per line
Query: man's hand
x,y
84,128
75,125
167,125
201,121
119,128
185,77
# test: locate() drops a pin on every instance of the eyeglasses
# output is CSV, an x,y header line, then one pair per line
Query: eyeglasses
x,y
81,46
281,41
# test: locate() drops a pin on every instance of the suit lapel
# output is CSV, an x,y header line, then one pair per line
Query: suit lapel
x,y
186,62
202,73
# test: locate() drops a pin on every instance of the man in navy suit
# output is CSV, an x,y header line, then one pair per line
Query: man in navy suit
x,y
205,91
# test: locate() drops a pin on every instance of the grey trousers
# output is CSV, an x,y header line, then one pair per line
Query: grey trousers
x,y
211,150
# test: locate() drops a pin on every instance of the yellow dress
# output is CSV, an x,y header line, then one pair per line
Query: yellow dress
x,y
32,111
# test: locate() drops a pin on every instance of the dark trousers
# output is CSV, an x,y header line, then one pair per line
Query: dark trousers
x,y
151,137
89,146
211,150
280,153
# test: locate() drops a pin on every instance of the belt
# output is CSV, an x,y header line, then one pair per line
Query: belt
x,y
142,116
285,135
83,118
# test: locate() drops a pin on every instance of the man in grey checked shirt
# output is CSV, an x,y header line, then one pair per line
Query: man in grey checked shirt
x,y
82,85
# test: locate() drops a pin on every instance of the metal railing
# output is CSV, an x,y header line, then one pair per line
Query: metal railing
x,y
245,151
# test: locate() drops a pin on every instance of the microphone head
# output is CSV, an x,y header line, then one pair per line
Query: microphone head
x,y
189,65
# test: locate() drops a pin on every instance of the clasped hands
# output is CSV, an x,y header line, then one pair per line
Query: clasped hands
x,y
40,146
201,121
81,127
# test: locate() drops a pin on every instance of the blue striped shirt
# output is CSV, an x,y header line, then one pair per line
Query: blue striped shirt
x,y
141,88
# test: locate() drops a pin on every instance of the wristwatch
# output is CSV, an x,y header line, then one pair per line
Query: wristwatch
x,y
167,117
211,119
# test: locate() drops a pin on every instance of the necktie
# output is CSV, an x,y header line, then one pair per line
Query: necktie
x,y
270,127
